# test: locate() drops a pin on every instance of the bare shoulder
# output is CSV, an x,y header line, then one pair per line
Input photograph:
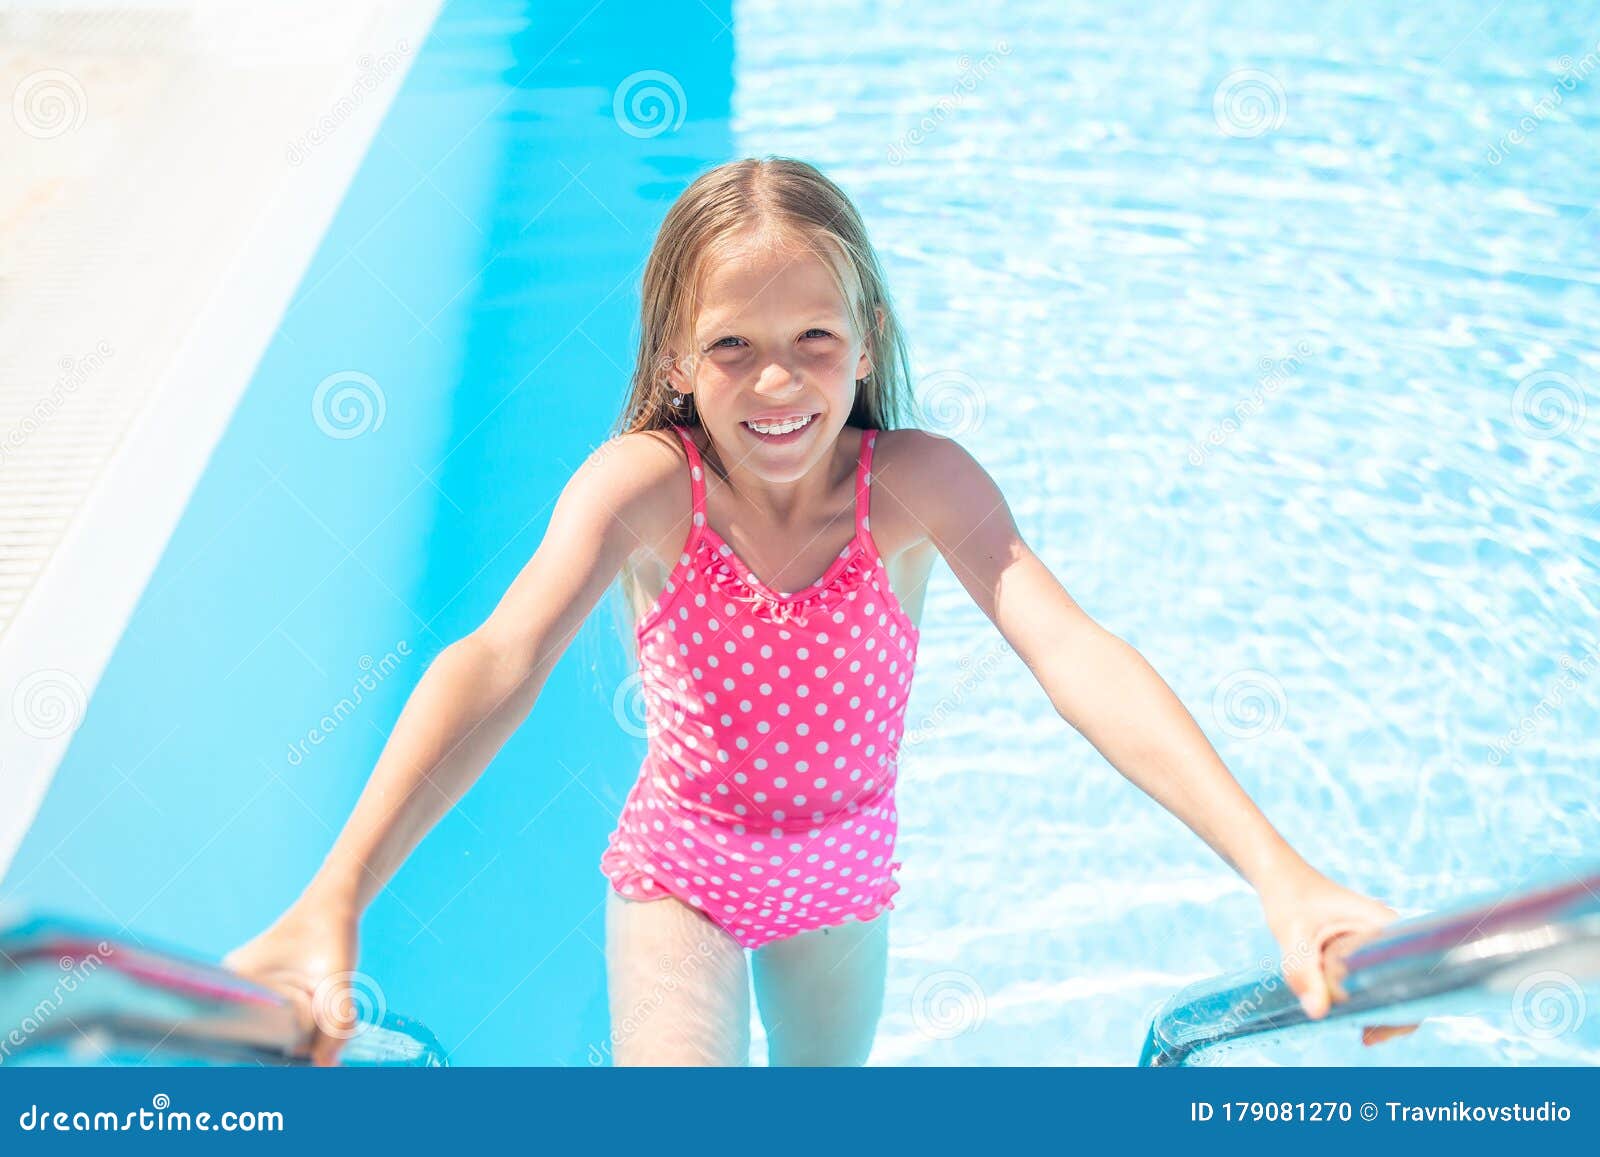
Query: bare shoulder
x,y
633,460
642,480
912,451
934,482
606,515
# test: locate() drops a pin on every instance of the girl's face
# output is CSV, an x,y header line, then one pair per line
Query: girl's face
x,y
774,360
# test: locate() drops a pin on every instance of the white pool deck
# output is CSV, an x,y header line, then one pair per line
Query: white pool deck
x,y
166,174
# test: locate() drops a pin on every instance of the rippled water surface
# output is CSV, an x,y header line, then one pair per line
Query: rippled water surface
x,y
1284,353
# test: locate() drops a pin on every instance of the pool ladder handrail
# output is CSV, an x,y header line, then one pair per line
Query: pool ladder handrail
x,y
1423,965
126,996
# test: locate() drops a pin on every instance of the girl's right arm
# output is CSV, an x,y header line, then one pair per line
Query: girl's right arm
x,y
470,700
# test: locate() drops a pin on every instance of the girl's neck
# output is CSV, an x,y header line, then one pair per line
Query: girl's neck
x,y
784,505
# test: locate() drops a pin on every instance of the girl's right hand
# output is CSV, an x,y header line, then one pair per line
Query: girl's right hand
x,y
309,955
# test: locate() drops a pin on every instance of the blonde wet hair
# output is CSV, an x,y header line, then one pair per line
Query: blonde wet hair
x,y
785,202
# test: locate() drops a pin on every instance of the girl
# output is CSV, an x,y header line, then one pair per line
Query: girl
x,y
774,521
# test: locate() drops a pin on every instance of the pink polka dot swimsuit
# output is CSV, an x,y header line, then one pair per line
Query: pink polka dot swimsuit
x,y
766,797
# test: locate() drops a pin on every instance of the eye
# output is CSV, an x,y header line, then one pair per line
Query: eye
x,y
718,344
818,332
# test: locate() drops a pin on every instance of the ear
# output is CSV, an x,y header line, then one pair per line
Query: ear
x,y
864,363
670,368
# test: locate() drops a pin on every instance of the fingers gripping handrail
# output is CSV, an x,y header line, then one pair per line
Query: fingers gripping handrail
x,y
77,993
1449,961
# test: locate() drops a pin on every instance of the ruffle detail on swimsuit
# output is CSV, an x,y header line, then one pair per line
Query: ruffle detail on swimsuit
x,y
631,883
723,571
892,887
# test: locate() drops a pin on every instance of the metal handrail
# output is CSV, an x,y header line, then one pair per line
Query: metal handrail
x,y
1446,962
73,992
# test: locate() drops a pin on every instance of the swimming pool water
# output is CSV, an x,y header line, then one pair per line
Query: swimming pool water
x,y
1271,334
1285,375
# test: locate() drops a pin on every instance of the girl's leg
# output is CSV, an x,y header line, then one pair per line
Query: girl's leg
x,y
820,992
678,986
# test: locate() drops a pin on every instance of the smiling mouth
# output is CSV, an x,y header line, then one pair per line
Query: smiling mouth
x,y
781,426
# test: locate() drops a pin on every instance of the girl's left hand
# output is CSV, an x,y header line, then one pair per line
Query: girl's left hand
x,y
1314,920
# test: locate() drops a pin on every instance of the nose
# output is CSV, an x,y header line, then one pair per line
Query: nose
x,y
777,380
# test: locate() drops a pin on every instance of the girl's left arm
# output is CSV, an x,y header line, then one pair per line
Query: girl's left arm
x,y
1105,689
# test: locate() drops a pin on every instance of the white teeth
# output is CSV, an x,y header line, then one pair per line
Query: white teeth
x,y
787,426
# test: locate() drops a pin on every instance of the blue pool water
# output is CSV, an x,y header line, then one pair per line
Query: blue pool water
x,y
1267,326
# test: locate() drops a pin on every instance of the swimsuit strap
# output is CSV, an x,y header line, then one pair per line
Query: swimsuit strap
x,y
697,478
864,480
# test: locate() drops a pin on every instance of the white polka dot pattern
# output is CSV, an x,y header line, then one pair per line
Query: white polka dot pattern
x,y
774,723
